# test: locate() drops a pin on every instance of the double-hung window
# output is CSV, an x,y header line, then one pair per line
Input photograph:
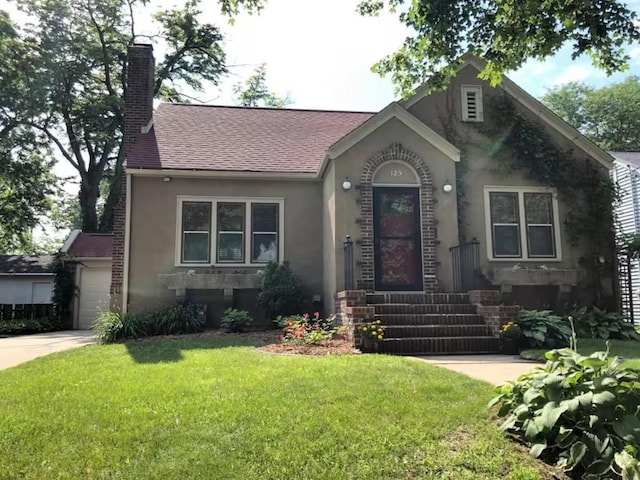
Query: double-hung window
x,y
229,231
522,223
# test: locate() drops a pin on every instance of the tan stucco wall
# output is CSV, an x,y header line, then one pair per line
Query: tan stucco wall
x,y
153,230
331,246
347,210
483,169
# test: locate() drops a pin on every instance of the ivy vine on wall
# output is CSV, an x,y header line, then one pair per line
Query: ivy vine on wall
x,y
64,288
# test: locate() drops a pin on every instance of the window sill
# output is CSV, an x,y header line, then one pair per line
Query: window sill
x,y
528,260
219,265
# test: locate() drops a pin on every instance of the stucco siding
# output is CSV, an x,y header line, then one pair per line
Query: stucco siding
x,y
153,230
330,241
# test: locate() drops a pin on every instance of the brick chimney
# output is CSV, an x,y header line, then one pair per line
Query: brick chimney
x,y
138,111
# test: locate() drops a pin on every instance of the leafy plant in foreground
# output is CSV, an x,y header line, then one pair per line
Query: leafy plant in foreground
x,y
578,411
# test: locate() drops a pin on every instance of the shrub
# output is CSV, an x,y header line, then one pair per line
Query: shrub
x,y
29,325
372,331
235,320
511,331
173,320
177,319
299,329
282,291
579,412
542,329
604,325
108,327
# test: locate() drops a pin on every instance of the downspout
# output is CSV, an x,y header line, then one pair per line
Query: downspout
x,y
127,238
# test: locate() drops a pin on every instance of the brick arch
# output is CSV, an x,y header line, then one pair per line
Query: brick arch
x,y
396,151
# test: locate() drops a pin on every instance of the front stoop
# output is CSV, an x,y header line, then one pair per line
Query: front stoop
x,y
429,324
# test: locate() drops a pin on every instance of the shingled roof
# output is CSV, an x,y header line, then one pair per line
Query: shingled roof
x,y
206,137
92,245
25,264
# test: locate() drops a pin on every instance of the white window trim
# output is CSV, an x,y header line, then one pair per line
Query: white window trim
x,y
524,250
180,199
464,89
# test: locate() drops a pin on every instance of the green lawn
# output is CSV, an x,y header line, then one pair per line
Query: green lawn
x,y
215,408
628,349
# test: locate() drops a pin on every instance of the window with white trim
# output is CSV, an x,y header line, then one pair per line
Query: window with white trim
x,y
472,107
522,223
225,231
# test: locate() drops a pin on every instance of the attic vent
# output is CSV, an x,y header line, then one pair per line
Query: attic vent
x,y
472,104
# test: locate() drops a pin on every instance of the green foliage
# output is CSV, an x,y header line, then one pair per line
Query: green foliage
x,y
606,115
29,325
306,329
584,186
63,82
504,33
578,411
172,320
235,320
282,291
511,331
542,329
372,330
64,288
254,92
596,323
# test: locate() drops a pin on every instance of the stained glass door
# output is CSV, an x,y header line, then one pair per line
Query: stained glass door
x,y
396,237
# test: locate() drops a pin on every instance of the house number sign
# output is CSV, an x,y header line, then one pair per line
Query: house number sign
x,y
397,173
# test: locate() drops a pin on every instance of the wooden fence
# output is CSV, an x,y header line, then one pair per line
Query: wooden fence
x,y
23,312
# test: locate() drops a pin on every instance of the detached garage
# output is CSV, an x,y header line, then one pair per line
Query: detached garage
x,y
92,254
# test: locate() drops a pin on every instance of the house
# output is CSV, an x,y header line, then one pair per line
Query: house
x,y
26,282
627,176
90,257
444,239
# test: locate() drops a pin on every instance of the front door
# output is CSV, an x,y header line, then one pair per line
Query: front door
x,y
396,239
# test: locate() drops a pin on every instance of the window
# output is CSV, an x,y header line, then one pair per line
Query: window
x,y
229,231
472,108
196,232
522,223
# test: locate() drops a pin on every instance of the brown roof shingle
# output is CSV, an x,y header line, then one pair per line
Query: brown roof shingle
x,y
205,137
24,264
92,245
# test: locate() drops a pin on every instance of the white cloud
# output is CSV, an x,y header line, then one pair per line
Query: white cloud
x,y
573,73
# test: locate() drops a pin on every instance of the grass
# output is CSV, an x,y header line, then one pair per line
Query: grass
x,y
629,349
217,408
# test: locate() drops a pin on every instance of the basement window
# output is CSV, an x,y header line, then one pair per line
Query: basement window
x,y
472,109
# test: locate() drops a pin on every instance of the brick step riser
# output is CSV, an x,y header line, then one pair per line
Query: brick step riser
x,y
418,298
439,346
426,320
399,309
406,331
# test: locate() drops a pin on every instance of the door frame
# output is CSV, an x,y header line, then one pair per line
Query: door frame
x,y
416,192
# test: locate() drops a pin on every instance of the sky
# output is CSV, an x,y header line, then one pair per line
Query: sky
x,y
320,53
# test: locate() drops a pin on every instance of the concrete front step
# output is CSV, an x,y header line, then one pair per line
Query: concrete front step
x,y
418,298
412,331
439,345
430,319
403,308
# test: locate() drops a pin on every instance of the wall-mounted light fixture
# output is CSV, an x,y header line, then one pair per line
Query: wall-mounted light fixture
x,y
447,187
346,185
166,179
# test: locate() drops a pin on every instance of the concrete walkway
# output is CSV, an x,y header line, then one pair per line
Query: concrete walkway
x,y
16,350
489,368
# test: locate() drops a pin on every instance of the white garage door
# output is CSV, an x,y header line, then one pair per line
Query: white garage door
x,y
94,294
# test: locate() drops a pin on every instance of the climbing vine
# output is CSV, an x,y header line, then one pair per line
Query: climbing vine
x,y
518,142
63,290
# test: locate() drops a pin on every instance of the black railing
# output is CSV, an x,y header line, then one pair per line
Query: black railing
x,y
348,263
465,259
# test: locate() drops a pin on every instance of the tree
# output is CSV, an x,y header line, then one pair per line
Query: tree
x,y
27,186
71,80
608,116
254,92
505,33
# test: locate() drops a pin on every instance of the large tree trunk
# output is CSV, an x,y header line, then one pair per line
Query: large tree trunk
x,y
115,192
89,192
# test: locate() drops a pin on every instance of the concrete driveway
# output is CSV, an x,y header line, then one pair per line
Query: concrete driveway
x,y
16,350
489,368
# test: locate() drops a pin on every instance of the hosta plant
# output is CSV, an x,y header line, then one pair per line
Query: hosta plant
x,y
543,329
580,412
596,323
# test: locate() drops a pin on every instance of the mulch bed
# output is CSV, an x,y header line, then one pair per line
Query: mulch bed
x,y
332,347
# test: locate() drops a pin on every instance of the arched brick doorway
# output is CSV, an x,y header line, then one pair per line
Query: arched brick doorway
x,y
397,225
